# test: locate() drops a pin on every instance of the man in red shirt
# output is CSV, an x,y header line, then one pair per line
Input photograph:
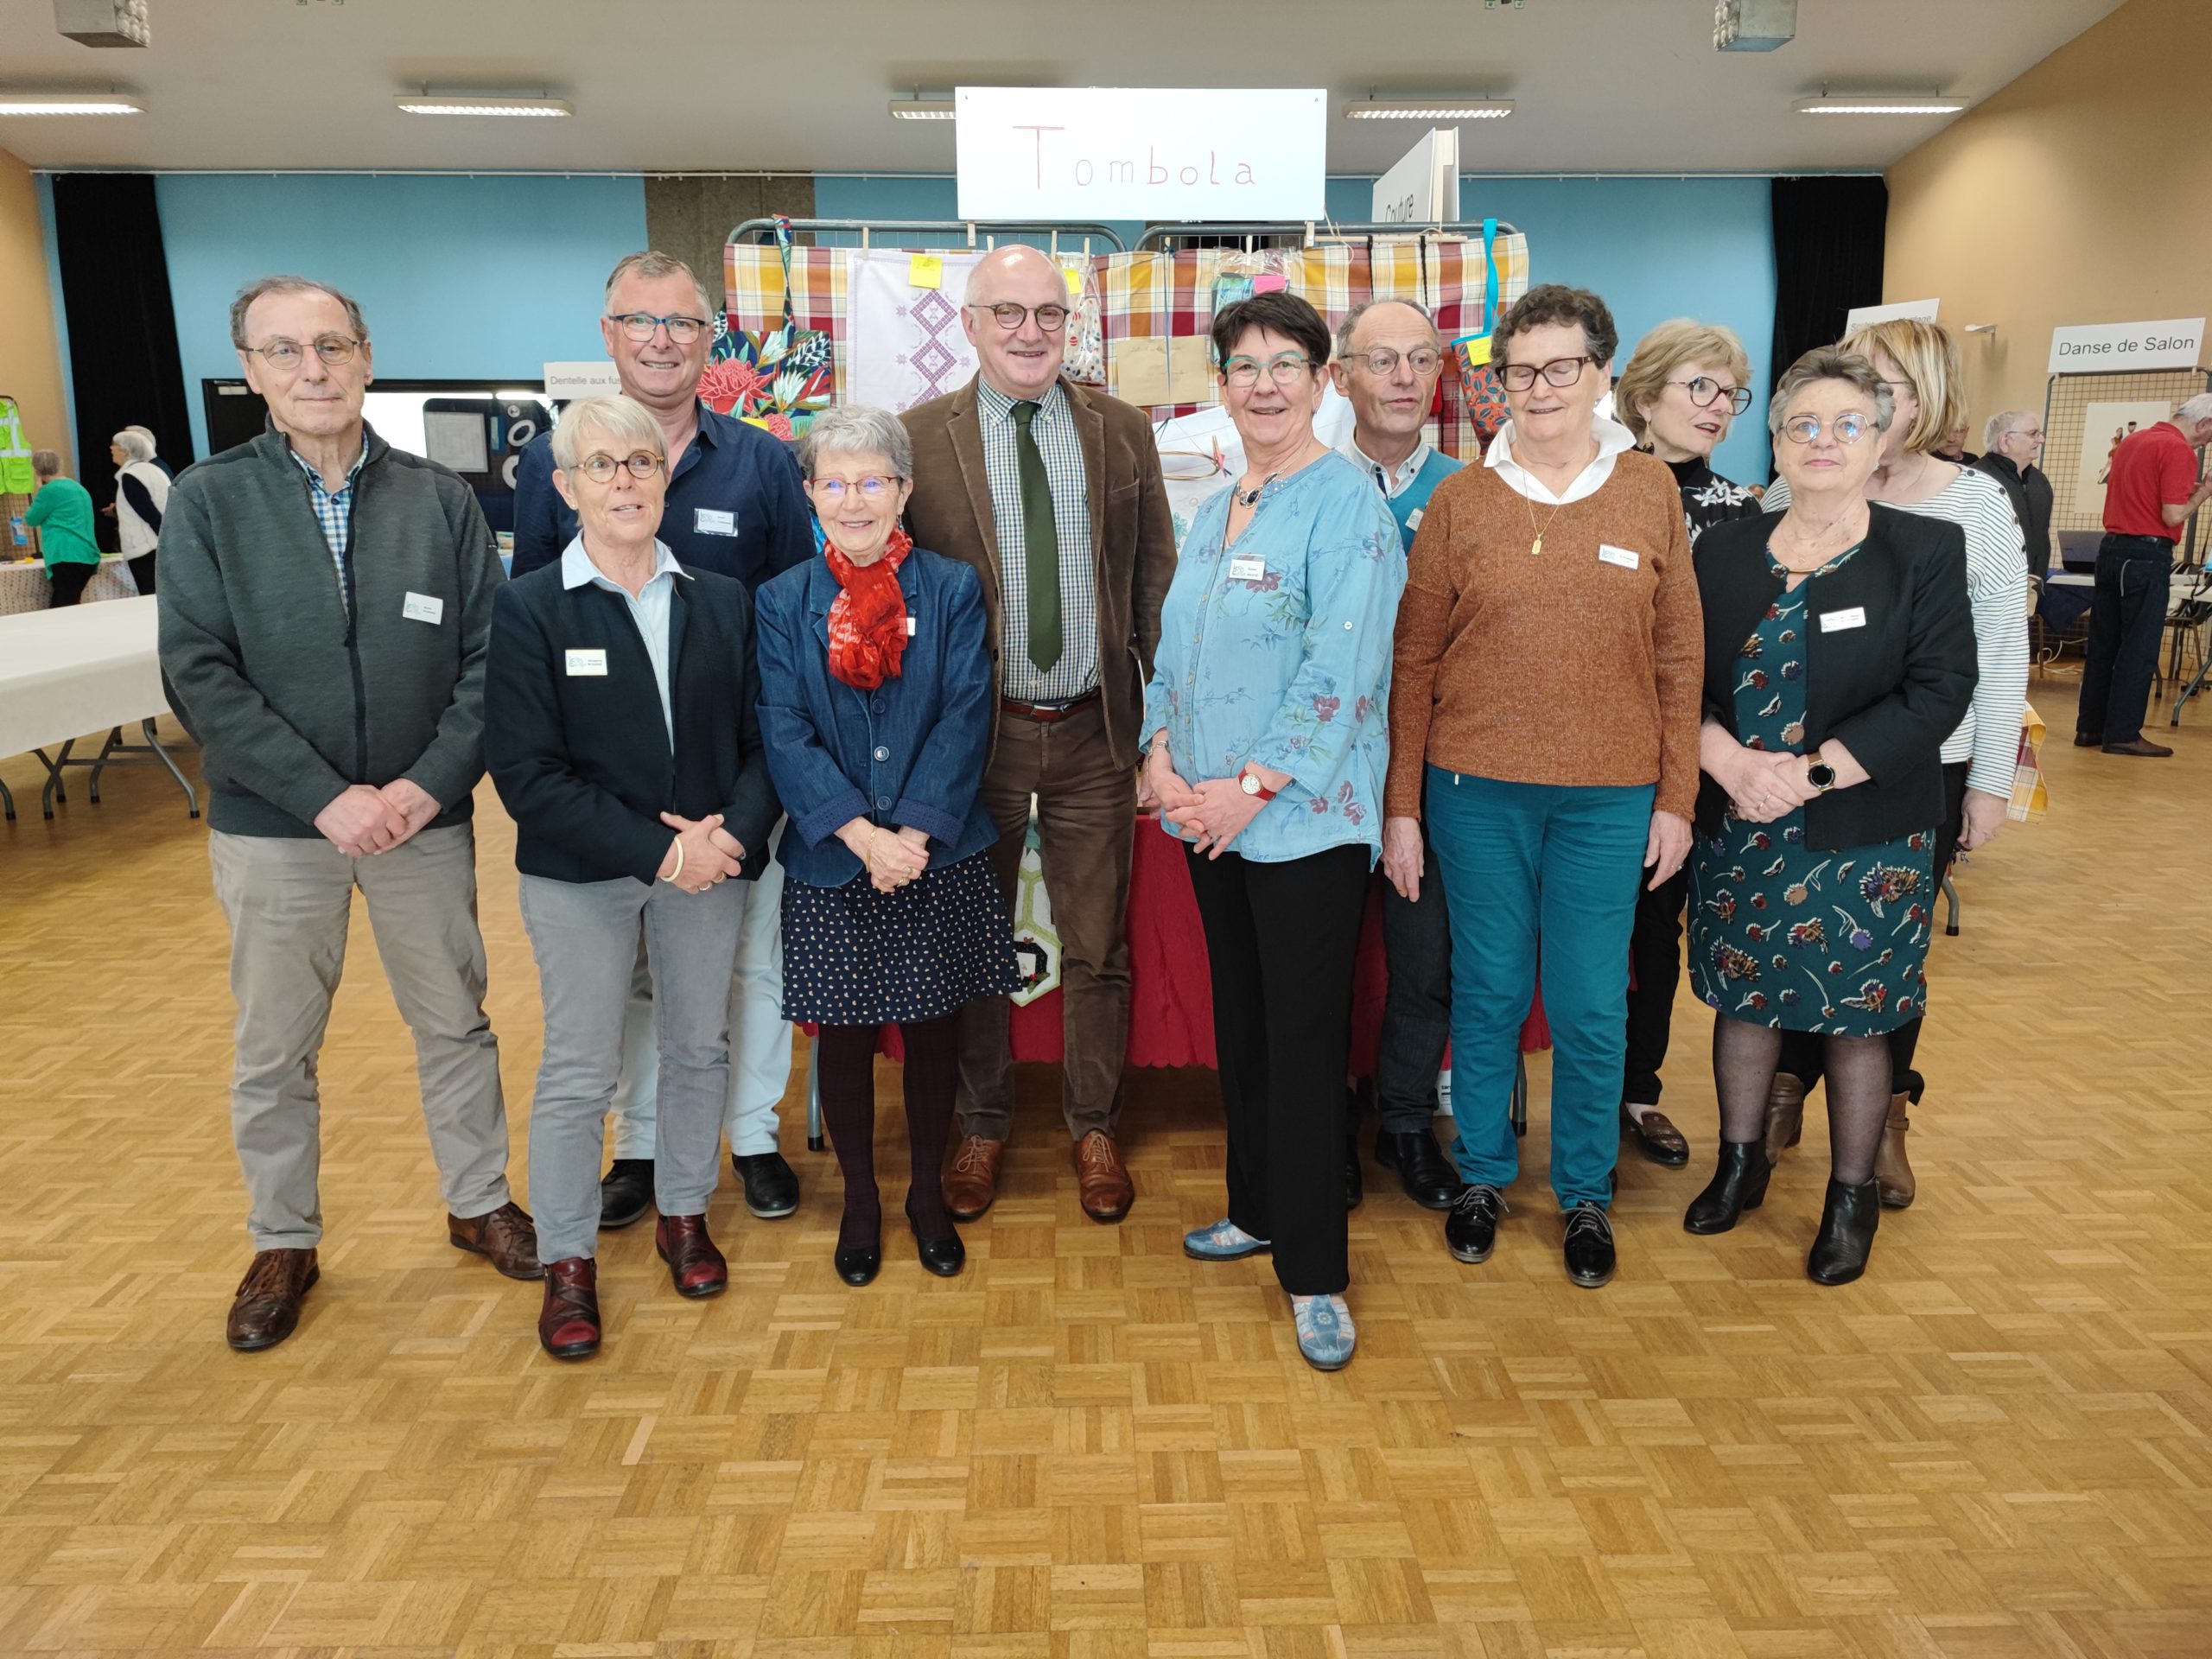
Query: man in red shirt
x,y
2152,490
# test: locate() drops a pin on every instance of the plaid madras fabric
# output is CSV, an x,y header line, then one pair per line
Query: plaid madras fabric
x,y
753,278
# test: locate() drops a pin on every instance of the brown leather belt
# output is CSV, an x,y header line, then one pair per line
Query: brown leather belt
x,y
1046,714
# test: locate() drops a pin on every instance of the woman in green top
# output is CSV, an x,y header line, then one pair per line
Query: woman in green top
x,y
61,513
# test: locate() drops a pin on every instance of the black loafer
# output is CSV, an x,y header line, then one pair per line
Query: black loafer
x,y
1589,1245
771,1184
626,1192
1430,1182
943,1255
1355,1186
858,1264
1471,1230
1655,1136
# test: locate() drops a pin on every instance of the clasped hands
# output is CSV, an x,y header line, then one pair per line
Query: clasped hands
x,y
892,857
1208,815
364,819
1765,785
703,854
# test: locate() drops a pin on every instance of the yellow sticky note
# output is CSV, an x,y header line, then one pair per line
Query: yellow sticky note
x,y
1074,280
1474,350
925,270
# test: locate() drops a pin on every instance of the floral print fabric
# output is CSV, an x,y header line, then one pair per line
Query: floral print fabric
x,y
1787,936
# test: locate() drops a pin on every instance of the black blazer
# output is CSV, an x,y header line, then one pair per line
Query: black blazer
x,y
583,761
1890,690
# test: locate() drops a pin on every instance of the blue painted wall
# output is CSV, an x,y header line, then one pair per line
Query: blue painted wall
x,y
459,277
1655,248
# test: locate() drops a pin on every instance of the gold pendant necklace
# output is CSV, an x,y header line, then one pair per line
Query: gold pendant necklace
x,y
1537,546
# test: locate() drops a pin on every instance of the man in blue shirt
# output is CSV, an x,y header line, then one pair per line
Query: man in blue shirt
x,y
734,507
1388,358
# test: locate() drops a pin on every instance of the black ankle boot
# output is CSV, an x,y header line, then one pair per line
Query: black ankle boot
x,y
1738,1185
1847,1235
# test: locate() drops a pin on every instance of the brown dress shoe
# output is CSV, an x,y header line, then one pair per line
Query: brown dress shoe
x,y
694,1263
1101,1181
507,1237
2142,746
1785,1114
568,1321
971,1180
265,1309
1892,1174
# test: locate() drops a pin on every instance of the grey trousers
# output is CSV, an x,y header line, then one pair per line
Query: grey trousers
x,y
289,903
585,937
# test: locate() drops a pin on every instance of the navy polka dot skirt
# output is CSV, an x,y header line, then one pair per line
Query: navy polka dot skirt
x,y
854,957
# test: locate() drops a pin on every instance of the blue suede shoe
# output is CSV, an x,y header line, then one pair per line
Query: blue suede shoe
x,y
1222,1241
1325,1331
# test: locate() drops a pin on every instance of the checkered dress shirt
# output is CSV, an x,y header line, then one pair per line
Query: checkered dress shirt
x,y
1077,672
334,511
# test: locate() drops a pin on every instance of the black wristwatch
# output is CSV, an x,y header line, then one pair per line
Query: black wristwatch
x,y
1821,776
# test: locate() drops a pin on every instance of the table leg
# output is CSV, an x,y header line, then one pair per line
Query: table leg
x,y
114,741
53,791
8,801
814,1094
153,743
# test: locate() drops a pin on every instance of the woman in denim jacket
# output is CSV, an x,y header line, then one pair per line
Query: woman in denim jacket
x,y
875,706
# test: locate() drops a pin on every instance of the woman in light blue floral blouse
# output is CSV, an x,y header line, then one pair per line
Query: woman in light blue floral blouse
x,y
1268,729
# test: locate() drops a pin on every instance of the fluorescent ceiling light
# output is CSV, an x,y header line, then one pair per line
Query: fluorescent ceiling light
x,y
1880,104
68,104
921,109
1474,109
478,104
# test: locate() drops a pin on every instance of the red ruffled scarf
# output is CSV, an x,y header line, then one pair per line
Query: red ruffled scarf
x,y
868,619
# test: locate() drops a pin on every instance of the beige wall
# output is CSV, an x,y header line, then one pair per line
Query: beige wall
x,y
2081,193
30,357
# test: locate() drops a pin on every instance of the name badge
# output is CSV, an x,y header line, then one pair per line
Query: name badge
x,y
713,521
588,662
1854,618
1627,557
1413,518
909,628
1248,569
423,608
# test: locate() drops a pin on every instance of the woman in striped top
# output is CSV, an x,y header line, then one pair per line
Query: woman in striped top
x,y
1919,363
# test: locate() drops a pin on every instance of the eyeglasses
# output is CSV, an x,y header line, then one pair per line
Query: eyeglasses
x,y
286,355
1243,373
1423,361
1702,392
640,326
1561,372
872,488
1009,316
1845,429
600,468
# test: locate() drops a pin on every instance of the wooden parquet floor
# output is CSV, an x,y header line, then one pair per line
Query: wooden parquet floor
x,y
1997,1444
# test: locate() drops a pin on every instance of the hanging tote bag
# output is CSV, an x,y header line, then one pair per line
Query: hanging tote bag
x,y
775,377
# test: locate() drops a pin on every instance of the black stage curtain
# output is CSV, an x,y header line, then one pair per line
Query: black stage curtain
x,y
123,366
1827,258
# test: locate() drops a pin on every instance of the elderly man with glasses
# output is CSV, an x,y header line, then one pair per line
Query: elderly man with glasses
x,y
325,601
733,507
2012,442
1054,493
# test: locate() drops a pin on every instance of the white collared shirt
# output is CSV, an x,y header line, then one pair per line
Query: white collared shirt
x,y
648,607
1393,481
1614,441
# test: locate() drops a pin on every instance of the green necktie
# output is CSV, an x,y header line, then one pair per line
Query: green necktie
x,y
1040,543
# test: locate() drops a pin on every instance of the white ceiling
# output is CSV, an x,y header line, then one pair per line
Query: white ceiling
x,y
788,85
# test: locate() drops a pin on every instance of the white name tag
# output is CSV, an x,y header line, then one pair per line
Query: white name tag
x,y
1413,518
1248,569
711,521
422,607
1627,557
909,628
1854,618
588,662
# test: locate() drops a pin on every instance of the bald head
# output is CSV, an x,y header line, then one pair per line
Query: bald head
x,y
1016,271
1023,362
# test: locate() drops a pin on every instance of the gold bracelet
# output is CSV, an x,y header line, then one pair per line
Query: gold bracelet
x,y
678,870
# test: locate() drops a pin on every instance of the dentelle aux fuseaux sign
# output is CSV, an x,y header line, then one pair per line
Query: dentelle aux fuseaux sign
x,y
1107,152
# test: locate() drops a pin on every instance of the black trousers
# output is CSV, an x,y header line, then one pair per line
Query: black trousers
x,y
1654,953
1280,940
1417,1006
69,583
1801,1050
142,572
2127,619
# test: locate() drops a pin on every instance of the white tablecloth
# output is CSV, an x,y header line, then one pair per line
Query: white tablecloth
x,y
23,585
79,670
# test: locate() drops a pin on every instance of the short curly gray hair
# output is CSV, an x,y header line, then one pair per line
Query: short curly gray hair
x,y
1830,363
628,423
857,430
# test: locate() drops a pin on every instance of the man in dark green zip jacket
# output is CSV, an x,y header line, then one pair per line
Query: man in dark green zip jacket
x,y
324,600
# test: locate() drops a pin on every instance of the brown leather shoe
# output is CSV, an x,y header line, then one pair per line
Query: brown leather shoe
x,y
694,1263
1101,1181
265,1308
507,1237
971,1180
1656,1135
1891,1172
2142,746
568,1321
1785,1114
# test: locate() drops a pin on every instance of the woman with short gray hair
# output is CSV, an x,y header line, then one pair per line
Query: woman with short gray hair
x,y
1839,652
142,495
876,697
61,513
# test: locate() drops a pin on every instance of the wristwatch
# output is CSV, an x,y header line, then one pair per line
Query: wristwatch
x,y
1250,784
1821,776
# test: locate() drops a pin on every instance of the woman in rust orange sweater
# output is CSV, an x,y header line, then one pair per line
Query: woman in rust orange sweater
x,y
1544,721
